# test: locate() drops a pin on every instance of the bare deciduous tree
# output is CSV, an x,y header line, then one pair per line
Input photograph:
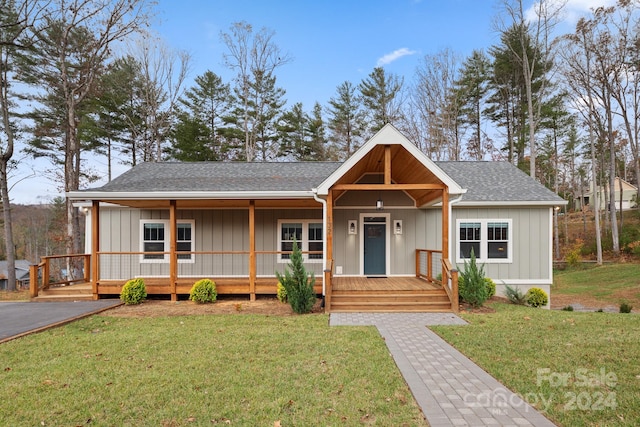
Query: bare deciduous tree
x,y
162,75
432,123
251,55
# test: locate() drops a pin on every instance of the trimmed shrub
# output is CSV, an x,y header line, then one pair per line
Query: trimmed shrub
x,y
514,295
203,291
298,283
281,293
133,292
473,288
491,287
625,308
536,297
567,308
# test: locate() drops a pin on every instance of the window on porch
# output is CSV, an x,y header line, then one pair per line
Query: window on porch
x,y
307,233
155,238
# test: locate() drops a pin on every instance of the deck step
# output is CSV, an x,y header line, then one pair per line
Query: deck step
x,y
66,290
390,301
75,292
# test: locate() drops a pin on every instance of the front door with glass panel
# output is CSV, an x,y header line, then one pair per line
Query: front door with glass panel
x,y
375,260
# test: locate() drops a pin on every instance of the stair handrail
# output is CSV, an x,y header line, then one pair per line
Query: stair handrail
x,y
40,274
450,283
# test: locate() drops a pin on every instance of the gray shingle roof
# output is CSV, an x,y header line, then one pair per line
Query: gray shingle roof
x,y
22,269
222,176
497,182
484,181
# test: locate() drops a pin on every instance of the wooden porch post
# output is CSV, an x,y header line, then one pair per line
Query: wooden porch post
x,y
33,280
173,243
387,164
329,261
252,250
445,223
95,247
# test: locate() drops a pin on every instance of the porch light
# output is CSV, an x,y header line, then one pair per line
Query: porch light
x,y
397,226
353,226
379,204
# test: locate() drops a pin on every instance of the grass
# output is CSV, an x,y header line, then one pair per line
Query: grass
x,y
247,370
545,357
612,283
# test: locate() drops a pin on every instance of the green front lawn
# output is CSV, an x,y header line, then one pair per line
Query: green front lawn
x,y
579,368
609,283
247,370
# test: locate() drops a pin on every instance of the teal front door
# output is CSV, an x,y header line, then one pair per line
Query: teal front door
x,y
375,259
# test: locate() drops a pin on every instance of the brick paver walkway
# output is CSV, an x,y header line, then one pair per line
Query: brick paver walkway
x,y
450,388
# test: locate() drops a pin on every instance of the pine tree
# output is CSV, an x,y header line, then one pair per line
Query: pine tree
x,y
298,283
346,122
199,134
380,96
471,89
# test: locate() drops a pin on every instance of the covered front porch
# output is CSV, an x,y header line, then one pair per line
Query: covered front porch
x,y
387,207
423,292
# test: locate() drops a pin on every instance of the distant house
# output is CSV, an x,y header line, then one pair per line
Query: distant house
x,y
22,274
382,231
628,194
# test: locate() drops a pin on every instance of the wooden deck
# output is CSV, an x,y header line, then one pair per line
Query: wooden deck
x,y
382,284
388,294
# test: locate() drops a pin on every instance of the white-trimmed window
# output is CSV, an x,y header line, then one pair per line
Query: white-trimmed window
x,y
154,237
307,233
490,240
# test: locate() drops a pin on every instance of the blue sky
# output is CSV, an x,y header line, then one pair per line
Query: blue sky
x,y
330,41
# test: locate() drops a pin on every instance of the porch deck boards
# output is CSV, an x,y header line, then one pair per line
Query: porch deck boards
x,y
382,284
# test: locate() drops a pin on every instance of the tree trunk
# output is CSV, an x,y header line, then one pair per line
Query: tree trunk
x,y
596,196
8,228
72,183
612,185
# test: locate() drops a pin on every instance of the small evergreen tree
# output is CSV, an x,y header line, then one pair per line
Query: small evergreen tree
x,y
475,290
298,283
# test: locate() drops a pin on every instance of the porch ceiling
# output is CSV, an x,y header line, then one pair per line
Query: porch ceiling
x,y
405,169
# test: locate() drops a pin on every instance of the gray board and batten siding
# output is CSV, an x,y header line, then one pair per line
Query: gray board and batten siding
x,y
223,230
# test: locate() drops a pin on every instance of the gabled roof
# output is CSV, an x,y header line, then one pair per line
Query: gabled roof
x,y
498,183
212,180
389,135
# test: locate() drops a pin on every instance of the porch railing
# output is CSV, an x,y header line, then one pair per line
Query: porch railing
x,y
328,285
431,266
428,265
59,270
450,283
127,265
122,266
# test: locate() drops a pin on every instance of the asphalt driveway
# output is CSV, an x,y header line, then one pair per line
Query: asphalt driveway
x,y
21,318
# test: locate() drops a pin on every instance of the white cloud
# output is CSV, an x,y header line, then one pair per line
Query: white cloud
x,y
573,9
396,54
